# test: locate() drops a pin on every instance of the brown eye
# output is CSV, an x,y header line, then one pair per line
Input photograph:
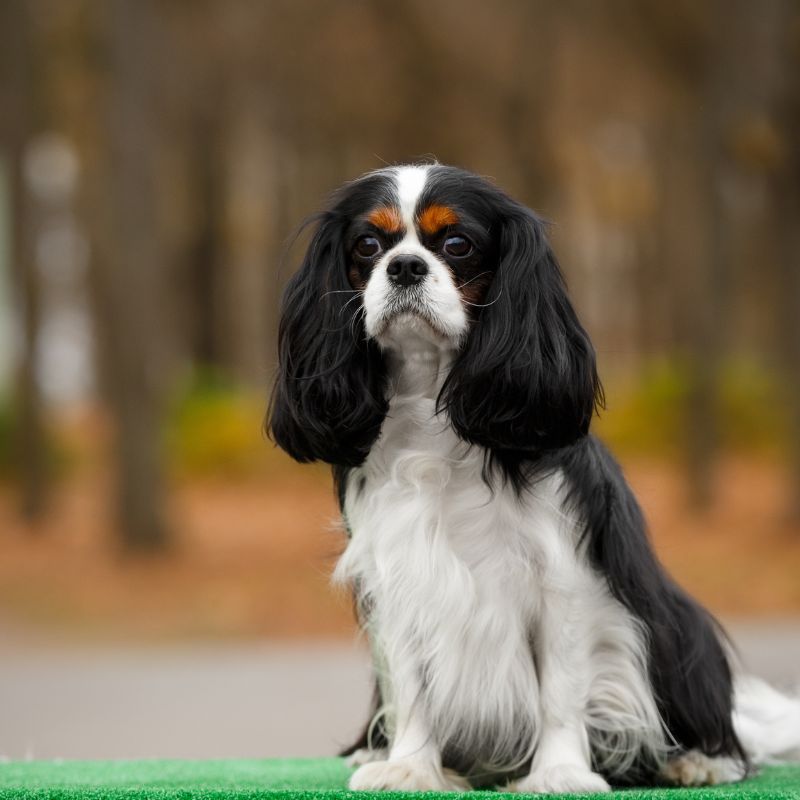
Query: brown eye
x,y
367,247
457,247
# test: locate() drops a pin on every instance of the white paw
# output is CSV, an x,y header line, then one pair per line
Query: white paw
x,y
366,755
561,779
697,769
406,775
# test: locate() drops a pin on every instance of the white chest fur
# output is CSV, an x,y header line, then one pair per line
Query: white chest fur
x,y
451,570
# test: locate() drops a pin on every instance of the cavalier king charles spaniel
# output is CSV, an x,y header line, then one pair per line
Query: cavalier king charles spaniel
x,y
522,630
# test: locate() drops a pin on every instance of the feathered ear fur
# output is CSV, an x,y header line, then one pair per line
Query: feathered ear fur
x,y
328,400
526,380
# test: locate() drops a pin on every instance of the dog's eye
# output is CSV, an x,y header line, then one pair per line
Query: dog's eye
x,y
367,247
457,246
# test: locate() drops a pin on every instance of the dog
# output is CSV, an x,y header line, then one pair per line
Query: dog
x,y
522,630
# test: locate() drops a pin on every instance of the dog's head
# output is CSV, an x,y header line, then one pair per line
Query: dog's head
x,y
447,253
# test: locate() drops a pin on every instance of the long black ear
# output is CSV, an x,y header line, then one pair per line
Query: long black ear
x,y
526,379
328,400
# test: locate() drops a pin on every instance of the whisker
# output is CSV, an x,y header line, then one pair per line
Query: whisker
x,y
479,275
355,319
484,305
354,297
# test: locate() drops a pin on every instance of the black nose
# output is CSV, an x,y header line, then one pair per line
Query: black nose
x,y
406,270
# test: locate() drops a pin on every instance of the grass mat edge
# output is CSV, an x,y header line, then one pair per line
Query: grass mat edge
x,y
292,779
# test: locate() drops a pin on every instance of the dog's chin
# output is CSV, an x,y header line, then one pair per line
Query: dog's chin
x,y
397,330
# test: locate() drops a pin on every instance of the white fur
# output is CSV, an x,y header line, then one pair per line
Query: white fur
x,y
407,776
409,183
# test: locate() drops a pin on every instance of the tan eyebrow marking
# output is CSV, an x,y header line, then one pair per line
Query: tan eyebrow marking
x,y
387,218
434,218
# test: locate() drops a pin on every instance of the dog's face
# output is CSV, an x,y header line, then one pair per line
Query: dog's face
x,y
422,248
439,253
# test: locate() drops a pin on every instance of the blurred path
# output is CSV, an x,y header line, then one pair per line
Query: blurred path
x,y
225,700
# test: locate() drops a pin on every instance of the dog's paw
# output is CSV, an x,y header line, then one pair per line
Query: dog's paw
x,y
406,775
560,779
697,769
366,755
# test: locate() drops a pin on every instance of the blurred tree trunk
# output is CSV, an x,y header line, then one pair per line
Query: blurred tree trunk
x,y
17,122
525,102
206,247
688,236
254,205
784,28
710,301
790,263
131,275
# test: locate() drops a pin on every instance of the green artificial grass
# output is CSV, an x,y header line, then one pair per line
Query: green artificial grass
x,y
288,779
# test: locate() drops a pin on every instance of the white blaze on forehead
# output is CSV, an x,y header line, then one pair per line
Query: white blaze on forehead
x,y
410,183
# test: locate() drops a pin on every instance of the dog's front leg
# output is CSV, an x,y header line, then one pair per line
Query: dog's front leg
x,y
415,762
562,761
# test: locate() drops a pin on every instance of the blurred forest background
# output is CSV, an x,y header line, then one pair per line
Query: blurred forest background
x,y
156,157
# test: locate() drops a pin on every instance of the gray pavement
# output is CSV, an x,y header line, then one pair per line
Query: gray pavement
x,y
224,700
